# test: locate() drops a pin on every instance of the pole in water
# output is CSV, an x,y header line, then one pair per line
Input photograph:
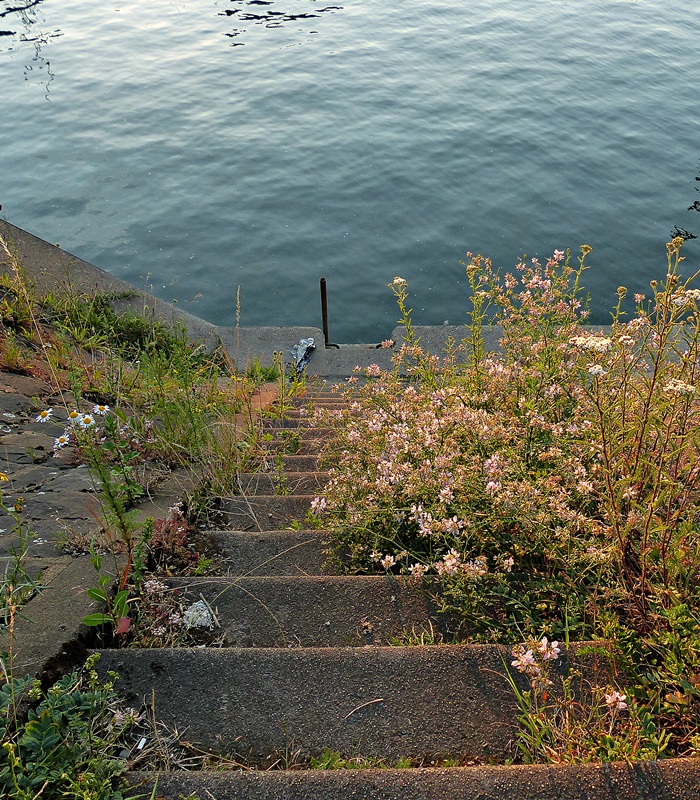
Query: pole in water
x,y
324,315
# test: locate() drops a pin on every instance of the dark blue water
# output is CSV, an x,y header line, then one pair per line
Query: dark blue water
x,y
193,147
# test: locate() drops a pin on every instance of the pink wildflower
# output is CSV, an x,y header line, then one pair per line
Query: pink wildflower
x,y
549,651
616,701
524,659
318,505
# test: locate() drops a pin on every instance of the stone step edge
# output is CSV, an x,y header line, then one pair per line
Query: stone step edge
x,y
268,611
278,482
399,581
276,532
675,779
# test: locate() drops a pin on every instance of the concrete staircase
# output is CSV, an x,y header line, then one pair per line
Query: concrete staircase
x,y
308,665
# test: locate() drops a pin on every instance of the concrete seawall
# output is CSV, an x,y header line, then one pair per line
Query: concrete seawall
x,y
55,269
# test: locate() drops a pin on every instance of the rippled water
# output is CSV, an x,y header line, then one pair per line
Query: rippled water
x,y
193,147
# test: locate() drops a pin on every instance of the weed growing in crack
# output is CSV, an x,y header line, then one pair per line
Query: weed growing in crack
x,y
567,719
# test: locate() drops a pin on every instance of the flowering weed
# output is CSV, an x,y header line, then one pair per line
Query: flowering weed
x,y
550,489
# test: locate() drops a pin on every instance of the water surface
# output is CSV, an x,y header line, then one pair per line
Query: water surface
x,y
194,147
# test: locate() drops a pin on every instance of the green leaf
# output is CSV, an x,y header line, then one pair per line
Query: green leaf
x,y
97,619
120,603
97,594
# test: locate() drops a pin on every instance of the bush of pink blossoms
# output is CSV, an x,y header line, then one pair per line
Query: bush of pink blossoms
x,y
550,489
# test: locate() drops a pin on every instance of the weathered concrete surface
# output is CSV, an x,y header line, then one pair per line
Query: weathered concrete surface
x,y
309,462
658,780
57,496
311,611
260,512
262,342
54,269
53,617
270,552
284,483
384,702
299,441
51,622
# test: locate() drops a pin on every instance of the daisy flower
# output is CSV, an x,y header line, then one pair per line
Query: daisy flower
x,y
61,441
74,416
100,410
86,420
45,415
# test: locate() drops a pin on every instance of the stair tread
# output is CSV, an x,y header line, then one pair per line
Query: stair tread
x,y
310,610
387,702
271,552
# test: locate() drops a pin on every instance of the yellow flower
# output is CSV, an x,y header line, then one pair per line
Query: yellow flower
x,y
3,477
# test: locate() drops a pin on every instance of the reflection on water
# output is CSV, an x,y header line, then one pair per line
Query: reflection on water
x,y
28,16
269,14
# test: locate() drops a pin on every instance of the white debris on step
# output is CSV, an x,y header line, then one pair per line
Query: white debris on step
x,y
198,615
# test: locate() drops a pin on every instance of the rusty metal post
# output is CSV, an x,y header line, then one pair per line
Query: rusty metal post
x,y
324,315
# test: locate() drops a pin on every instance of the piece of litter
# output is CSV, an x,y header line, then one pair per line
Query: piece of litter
x,y
141,744
301,354
198,616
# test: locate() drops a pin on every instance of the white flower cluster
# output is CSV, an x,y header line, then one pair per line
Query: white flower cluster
x,y
318,506
476,568
616,701
450,563
532,659
592,343
675,386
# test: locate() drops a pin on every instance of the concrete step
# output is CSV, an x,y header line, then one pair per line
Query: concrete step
x,y
292,419
303,463
271,552
260,512
31,567
310,611
327,398
667,780
303,410
303,432
282,482
375,702
305,441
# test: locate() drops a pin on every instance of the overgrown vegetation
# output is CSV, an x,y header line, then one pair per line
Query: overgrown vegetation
x,y
138,401
549,490
69,741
